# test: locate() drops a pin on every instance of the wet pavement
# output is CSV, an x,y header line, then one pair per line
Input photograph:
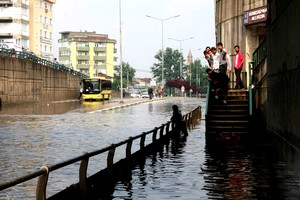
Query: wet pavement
x,y
261,168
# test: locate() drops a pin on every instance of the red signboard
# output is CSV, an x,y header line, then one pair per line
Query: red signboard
x,y
256,15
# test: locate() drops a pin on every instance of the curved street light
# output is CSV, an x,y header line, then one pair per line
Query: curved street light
x,y
162,43
180,42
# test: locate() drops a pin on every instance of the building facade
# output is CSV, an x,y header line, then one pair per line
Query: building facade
x,y
27,24
14,23
41,28
87,52
234,28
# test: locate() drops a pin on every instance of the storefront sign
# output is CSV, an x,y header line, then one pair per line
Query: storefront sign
x,y
256,15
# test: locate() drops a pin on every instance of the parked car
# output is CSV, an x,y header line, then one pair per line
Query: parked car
x,y
135,95
145,95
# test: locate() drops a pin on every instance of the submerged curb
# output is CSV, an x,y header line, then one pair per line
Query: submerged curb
x,y
126,104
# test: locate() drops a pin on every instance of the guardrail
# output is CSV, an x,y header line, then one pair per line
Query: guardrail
x,y
44,62
191,119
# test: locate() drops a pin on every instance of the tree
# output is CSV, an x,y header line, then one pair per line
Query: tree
x,y
199,75
171,65
126,69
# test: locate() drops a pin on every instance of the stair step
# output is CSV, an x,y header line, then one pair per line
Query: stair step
x,y
228,116
227,129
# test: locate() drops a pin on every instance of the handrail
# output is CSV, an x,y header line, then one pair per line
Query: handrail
x,y
191,119
260,53
250,72
44,62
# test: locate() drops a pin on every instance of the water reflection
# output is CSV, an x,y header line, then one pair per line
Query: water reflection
x,y
248,170
43,108
29,140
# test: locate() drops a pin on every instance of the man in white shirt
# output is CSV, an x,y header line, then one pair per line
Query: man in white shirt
x,y
216,59
224,59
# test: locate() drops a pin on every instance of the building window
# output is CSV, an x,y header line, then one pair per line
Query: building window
x,y
41,47
100,44
50,35
82,44
41,18
45,48
45,34
50,21
41,3
46,5
41,33
50,49
51,7
45,20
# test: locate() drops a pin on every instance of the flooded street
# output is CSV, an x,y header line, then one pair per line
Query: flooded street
x,y
190,169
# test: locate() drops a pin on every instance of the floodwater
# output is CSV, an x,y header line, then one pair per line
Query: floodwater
x,y
188,169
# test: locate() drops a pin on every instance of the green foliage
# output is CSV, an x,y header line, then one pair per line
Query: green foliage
x,y
171,65
126,68
196,80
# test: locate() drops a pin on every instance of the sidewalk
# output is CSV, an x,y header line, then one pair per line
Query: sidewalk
x,y
116,103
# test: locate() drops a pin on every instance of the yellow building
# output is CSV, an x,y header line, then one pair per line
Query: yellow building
x,y
40,27
87,52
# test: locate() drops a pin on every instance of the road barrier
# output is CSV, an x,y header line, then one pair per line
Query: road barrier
x,y
82,187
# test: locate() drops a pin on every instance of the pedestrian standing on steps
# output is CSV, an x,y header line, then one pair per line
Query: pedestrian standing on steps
x,y
238,66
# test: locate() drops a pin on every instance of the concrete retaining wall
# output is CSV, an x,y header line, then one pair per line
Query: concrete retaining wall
x,y
283,114
23,81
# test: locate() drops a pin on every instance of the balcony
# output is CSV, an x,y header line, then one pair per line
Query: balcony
x,y
64,49
100,66
6,35
83,57
45,40
100,58
51,1
101,49
22,3
81,48
83,66
6,19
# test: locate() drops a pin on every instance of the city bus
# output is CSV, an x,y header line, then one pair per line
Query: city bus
x,y
96,89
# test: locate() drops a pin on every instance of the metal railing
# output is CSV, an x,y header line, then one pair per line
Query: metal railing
x,y
260,53
191,119
207,98
250,73
29,56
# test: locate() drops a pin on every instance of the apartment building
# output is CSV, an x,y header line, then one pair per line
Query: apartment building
x,y
41,28
27,24
87,52
14,23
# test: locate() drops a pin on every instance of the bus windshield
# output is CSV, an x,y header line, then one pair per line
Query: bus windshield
x,y
91,86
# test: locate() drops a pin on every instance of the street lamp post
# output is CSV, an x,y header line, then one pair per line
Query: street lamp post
x,y
162,43
121,67
180,43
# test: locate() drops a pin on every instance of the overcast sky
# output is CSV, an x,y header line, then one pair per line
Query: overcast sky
x,y
141,36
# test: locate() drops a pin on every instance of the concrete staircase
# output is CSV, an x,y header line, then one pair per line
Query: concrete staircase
x,y
232,117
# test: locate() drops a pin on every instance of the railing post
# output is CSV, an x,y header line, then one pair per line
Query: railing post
x,y
168,127
110,158
83,176
161,132
154,135
142,142
42,184
128,147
